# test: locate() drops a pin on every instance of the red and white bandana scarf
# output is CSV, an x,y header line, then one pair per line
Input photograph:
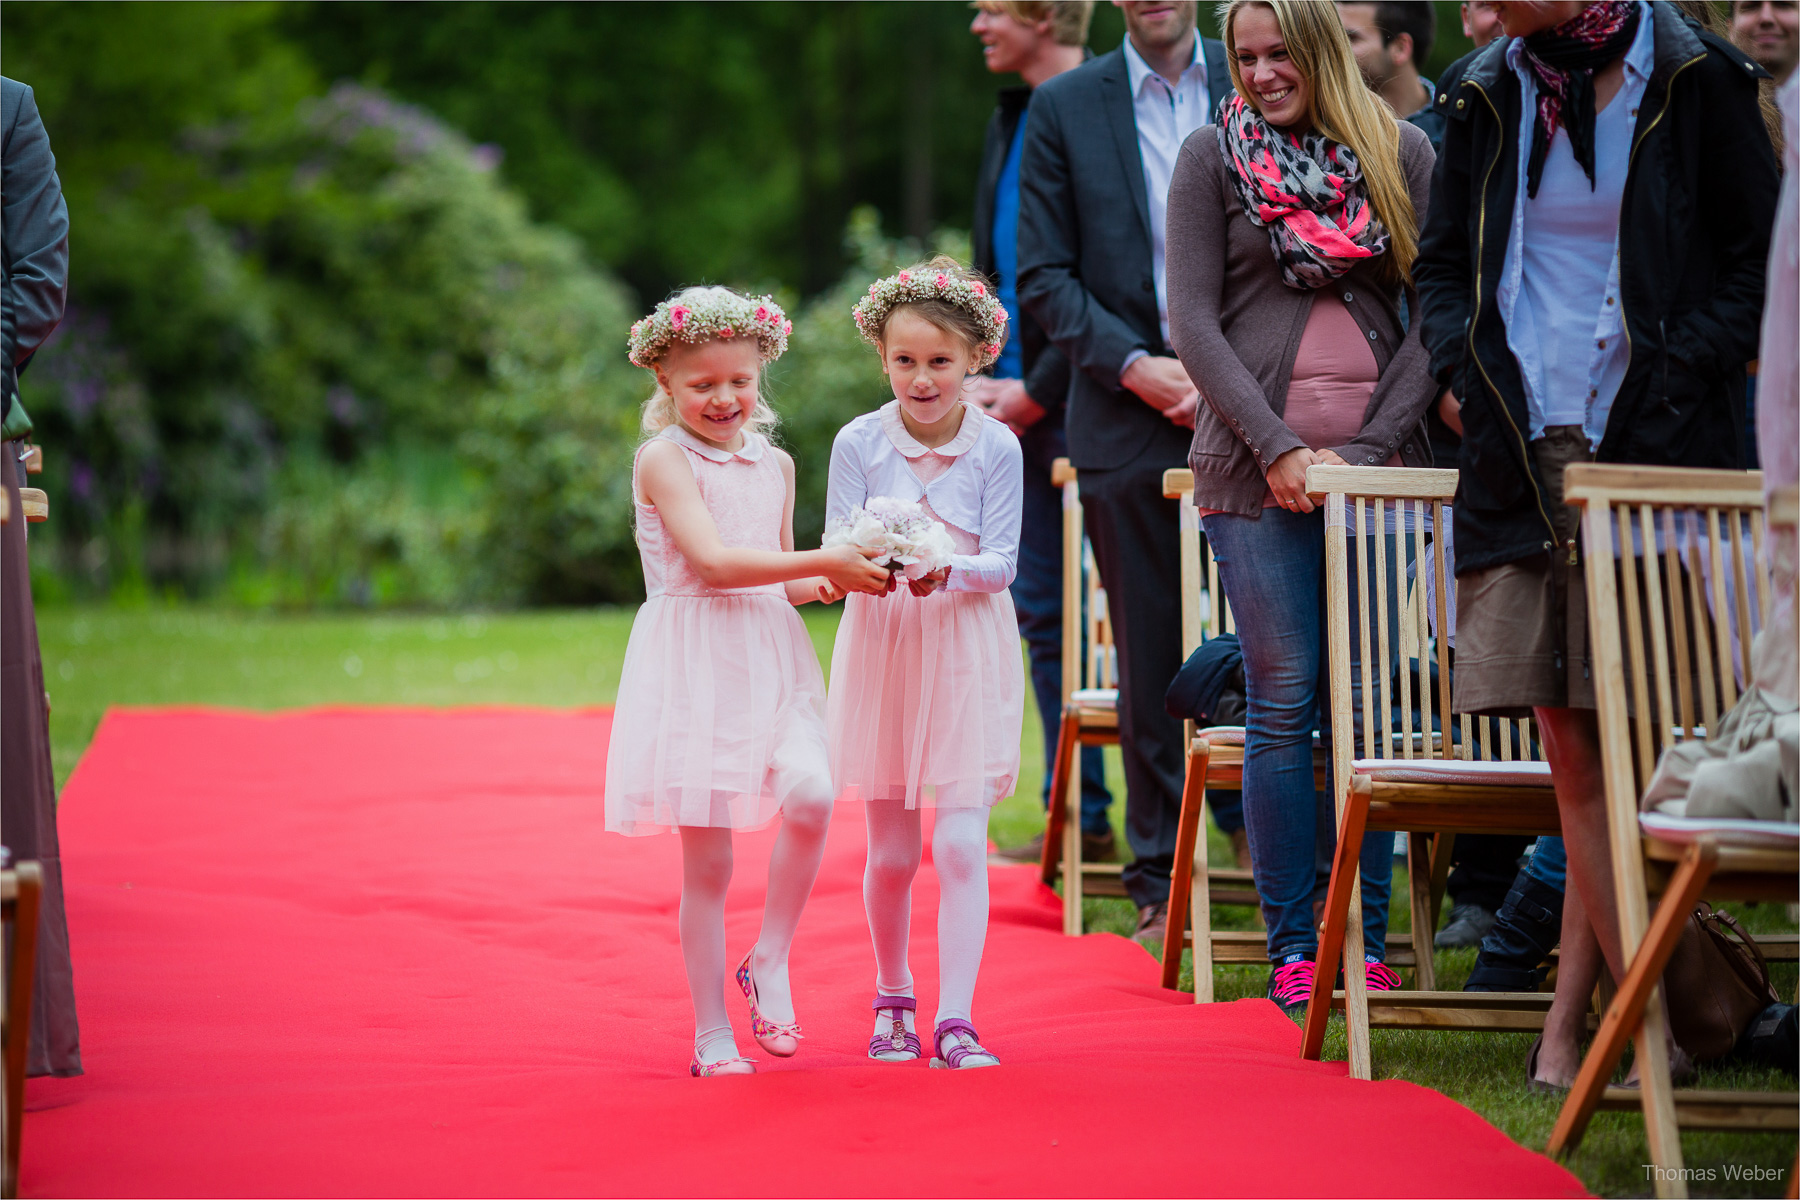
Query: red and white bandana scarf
x,y
1306,191
1564,59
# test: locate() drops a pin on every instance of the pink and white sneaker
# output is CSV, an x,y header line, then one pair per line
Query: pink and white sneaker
x,y
1381,977
1290,983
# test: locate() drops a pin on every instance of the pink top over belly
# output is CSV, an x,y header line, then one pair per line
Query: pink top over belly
x,y
1334,375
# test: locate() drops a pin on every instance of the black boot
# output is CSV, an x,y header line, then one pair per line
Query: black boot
x,y
1526,929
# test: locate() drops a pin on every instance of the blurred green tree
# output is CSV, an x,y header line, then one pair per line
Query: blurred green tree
x,y
351,346
305,332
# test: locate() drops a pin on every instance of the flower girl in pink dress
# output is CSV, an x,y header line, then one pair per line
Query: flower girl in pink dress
x,y
927,690
720,721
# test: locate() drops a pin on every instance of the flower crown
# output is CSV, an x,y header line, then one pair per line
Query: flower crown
x,y
926,283
714,313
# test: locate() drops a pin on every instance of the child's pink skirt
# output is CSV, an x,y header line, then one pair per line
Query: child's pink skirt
x,y
720,714
927,698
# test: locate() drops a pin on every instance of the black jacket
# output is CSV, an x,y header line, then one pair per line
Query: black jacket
x,y
1046,369
1694,230
1085,272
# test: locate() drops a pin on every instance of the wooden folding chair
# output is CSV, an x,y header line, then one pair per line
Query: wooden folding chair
x,y
1215,759
1475,776
1677,585
21,887
1090,714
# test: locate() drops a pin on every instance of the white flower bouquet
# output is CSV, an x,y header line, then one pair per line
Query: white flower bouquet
x,y
911,542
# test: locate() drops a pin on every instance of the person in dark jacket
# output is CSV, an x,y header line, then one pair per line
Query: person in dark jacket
x,y
35,262
1590,280
1483,865
1100,146
1037,40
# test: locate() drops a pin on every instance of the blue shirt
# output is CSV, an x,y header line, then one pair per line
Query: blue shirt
x,y
1559,285
1011,363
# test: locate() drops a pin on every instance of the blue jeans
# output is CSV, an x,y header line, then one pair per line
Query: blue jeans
x,y
1549,863
1037,598
1273,571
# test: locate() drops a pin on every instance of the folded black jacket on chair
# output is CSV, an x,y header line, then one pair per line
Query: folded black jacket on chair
x,y
1209,688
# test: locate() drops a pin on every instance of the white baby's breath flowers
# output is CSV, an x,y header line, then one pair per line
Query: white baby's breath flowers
x,y
911,542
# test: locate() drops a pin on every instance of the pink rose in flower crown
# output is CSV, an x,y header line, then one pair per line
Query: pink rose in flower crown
x,y
678,315
980,287
762,312
943,281
905,277
787,326
728,333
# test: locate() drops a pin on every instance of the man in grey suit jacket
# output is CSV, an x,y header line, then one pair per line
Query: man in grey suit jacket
x,y
36,259
35,266
1100,147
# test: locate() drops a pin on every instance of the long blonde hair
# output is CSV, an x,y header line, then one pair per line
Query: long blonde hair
x,y
659,409
1343,109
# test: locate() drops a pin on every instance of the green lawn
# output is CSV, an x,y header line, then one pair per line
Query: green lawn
x,y
97,657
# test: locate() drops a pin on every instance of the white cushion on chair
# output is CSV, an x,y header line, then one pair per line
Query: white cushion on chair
x,y
1454,770
1233,735
1727,831
1095,697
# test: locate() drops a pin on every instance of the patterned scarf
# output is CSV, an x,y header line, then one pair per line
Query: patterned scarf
x,y
1564,59
1306,191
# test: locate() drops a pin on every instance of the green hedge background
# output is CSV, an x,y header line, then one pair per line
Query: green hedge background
x,y
350,282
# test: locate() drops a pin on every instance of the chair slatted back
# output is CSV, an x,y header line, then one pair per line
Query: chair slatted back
x,y
1204,610
1679,557
1089,657
1398,619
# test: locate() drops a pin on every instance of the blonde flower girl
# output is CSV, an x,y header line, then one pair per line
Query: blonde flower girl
x,y
720,720
927,690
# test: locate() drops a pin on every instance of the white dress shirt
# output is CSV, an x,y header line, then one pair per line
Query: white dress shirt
x,y
1559,284
982,494
1164,116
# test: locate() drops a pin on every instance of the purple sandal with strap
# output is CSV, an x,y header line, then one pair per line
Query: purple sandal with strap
x,y
899,1040
957,1059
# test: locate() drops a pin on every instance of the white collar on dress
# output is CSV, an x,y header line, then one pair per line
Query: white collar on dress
x,y
911,447
750,451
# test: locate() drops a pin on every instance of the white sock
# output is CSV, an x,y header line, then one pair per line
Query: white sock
x,y
894,852
793,866
705,876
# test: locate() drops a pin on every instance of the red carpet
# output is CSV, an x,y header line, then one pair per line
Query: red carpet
x,y
392,953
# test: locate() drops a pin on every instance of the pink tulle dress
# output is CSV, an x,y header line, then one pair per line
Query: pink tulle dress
x,y
721,701
928,693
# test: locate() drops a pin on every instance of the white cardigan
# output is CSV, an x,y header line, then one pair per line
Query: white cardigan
x,y
982,492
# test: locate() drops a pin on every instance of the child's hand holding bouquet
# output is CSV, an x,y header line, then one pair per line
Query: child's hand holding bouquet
x,y
909,542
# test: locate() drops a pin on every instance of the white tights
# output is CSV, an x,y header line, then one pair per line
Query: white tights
x,y
959,851
706,860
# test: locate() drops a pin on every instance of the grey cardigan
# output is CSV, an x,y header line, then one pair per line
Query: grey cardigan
x,y
1237,326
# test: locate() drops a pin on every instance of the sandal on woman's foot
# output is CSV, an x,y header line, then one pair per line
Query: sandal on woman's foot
x,y
1532,1082
899,1044
963,1056
729,1066
774,1037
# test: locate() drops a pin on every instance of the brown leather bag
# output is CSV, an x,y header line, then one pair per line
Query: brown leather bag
x,y
1716,984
